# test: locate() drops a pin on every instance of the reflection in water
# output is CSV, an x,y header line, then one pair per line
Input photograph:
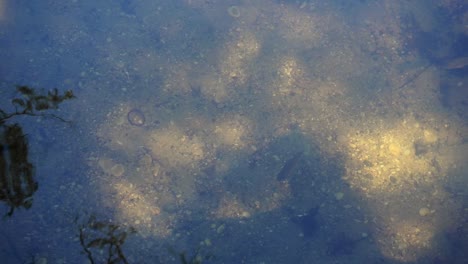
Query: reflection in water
x,y
103,238
215,84
17,183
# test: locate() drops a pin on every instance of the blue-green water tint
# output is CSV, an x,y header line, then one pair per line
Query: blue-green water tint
x,y
366,91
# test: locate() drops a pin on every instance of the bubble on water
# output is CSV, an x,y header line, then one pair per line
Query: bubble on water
x,y
136,117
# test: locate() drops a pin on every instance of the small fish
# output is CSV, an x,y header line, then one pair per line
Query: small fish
x,y
288,167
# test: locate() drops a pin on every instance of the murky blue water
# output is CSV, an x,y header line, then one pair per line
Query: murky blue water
x,y
189,117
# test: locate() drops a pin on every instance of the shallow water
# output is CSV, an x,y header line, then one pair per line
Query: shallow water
x,y
198,105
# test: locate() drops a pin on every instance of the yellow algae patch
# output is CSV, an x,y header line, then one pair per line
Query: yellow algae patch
x,y
213,87
288,68
298,26
394,149
289,72
230,207
174,148
134,207
241,52
430,136
386,158
178,78
234,67
407,240
233,132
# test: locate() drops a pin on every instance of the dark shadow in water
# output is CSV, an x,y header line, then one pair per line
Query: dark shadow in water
x,y
17,183
342,244
17,172
298,226
308,222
